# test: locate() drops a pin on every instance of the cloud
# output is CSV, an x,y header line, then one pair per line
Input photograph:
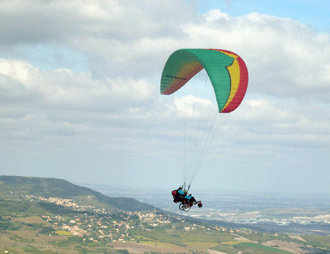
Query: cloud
x,y
117,33
56,107
267,125
282,56
113,106
285,58
63,89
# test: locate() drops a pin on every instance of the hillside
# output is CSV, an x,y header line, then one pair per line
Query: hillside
x,y
52,187
46,215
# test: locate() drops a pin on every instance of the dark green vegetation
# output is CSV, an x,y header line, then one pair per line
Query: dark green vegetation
x,y
318,241
252,248
51,187
73,219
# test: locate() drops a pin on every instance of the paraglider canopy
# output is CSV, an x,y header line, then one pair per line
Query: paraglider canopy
x,y
198,118
226,70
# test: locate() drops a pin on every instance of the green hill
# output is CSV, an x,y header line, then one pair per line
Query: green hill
x,y
52,187
47,215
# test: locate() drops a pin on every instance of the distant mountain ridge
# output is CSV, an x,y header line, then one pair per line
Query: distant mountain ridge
x,y
53,187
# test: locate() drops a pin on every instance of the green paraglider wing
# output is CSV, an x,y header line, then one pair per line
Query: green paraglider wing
x,y
226,70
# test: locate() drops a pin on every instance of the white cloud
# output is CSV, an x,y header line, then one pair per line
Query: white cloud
x,y
59,108
285,58
117,33
281,125
116,106
62,88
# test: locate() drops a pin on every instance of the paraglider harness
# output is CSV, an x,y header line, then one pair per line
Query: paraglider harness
x,y
186,201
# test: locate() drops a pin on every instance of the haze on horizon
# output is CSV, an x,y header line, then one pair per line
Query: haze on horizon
x,y
79,92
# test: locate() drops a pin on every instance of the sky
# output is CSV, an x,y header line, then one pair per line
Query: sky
x,y
80,100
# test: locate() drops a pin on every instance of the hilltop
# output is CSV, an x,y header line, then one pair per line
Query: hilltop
x,y
52,187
